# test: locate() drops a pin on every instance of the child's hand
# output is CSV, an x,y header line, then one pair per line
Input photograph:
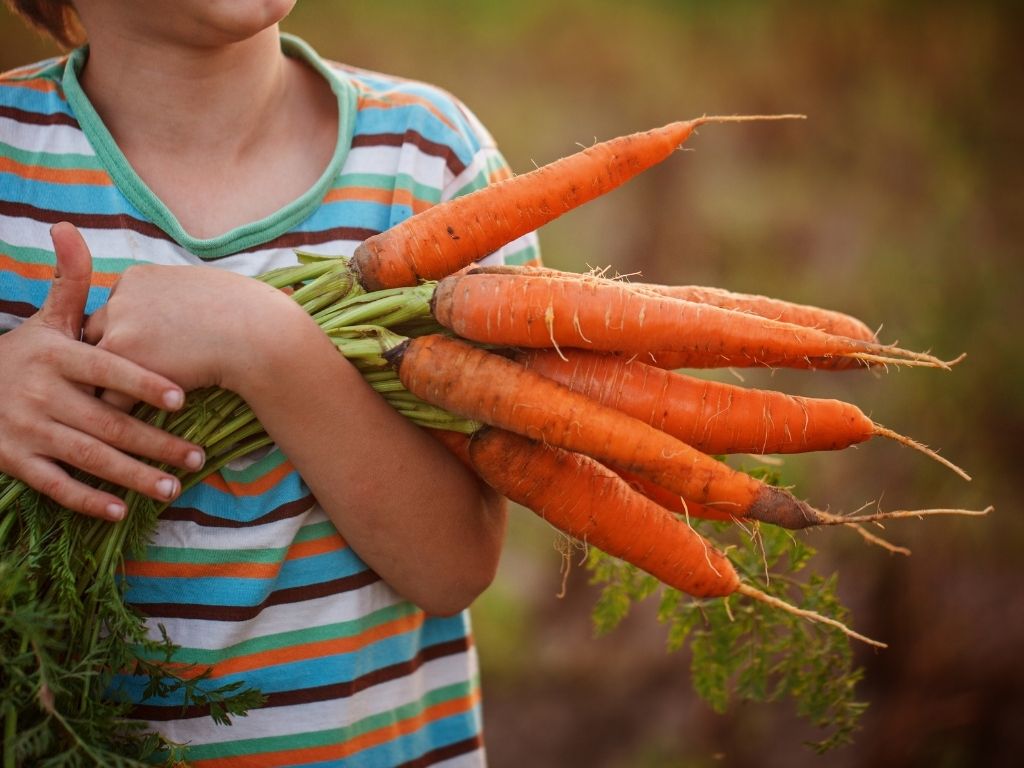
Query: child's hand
x,y
51,415
198,326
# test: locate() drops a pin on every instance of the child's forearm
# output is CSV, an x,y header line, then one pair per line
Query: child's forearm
x,y
405,505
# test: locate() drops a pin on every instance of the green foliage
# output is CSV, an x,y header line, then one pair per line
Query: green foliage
x,y
747,650
64,632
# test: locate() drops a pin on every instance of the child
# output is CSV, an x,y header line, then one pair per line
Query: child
x,y
196,144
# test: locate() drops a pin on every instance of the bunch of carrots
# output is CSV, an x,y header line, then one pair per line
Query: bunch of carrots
x,y
561,390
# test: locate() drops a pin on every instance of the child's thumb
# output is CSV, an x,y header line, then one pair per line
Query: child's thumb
x,y
64,307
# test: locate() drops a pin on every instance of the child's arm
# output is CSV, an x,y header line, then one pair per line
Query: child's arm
x,y
421,520
411,511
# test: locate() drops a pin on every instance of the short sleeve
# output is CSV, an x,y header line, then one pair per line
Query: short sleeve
x,y
487,166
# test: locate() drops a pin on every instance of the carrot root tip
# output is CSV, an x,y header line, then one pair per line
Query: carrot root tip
x,y
828,518
775,602
878,541
917,446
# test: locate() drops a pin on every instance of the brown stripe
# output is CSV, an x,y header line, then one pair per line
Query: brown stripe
x,y
38,118
123,221
82,220
425,145
192,515
321,692
316,237
445,753
246,612
20,309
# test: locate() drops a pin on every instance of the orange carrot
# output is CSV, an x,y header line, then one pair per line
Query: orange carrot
x,y
589,502
538,311
827,320
711,416
480,385
448,236
671,501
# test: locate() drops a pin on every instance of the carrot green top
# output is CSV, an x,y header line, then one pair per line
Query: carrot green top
x,y
245,571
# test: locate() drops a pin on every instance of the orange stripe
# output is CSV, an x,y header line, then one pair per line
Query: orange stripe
x,y
322,546
404,100
265,659
499,174
67,176
359,743
201,570
164,570
255,487
45,272
371,195
37,84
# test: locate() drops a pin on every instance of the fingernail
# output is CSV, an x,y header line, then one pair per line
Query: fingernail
x,y
115,511
194,460
173,399
165,487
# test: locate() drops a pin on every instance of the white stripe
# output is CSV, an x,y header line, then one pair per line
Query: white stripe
x,y
330,609
185,534
9,322
325,715
55,139
408,159
477,166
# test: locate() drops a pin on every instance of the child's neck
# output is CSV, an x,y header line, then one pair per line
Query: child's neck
x,y
223,135
187,100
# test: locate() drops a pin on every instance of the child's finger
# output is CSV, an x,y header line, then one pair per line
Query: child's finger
x,y
117,428
64,306
52,481
105,462
100,368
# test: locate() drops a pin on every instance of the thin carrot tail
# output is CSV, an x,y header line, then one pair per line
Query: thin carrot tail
x,y
828,518
756,594
917,446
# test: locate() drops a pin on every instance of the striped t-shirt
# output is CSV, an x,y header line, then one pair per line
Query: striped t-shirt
x,y
245,572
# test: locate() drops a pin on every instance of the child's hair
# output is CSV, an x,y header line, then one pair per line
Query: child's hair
x,y
56,18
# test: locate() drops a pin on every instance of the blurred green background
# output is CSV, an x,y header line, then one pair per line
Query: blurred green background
x,y
900,201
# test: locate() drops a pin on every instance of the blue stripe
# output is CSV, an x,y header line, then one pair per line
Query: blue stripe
x,y
329,669
69,198
234,591
357,213
398,119
31,100
434,735
243,509
34,291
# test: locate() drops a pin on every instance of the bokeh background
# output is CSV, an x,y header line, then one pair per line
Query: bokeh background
x,y
899,200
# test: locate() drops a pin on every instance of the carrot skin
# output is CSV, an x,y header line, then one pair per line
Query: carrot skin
x,y
480,385
711,416
671,501
448,236
605,315
591,503
827,320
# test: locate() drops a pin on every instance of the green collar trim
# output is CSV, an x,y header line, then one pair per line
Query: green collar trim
x,y
247,235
